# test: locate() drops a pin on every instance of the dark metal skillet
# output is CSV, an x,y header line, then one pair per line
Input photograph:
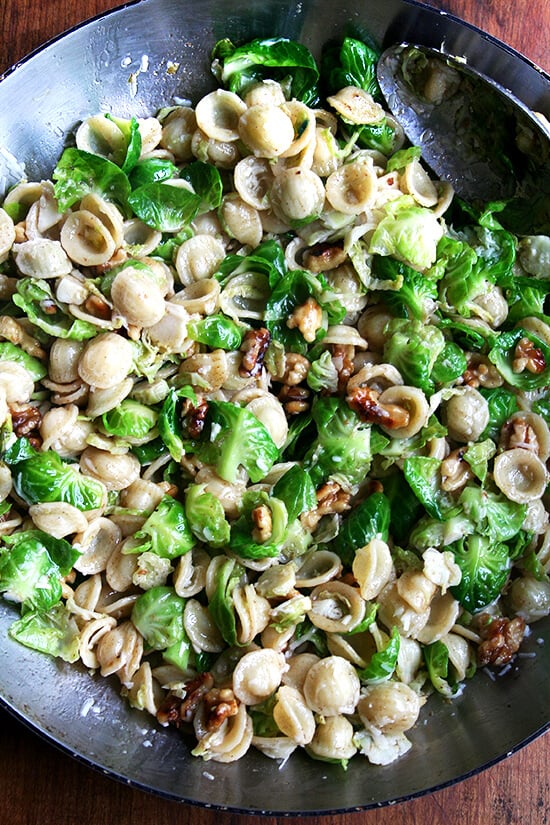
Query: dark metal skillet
x,y
41,100
473,132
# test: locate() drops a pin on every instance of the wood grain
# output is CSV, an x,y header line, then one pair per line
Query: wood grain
x,y
40,785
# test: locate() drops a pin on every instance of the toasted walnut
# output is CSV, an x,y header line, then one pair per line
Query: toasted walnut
x,y
324,256
501,639
14,331
119,257
195,418
330,499
342,358
219,705
295,400
308,318
177,711
98,307
364,401
518,433
296,369
481,372
20,232
253,347
263,523
528,357
25,419
455,470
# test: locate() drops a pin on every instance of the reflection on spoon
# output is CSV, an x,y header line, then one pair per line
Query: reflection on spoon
x,y
473,133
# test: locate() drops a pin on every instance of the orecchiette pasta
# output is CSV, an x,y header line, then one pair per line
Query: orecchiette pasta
x,y
275,433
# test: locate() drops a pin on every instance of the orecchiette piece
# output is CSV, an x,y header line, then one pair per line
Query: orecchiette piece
x,y
86,239
96,542
292,716
391,707
414,402
201,629
106,360
218,115
257,675
266,130
199,257
467,413
298,668
137,297
241,220
115,471
119,651
332,687
373,568
333,739
42,258
252,612
58,518
253,179
336,607
352,187
297,195
16,383
7,235
520,475
356,105
444,611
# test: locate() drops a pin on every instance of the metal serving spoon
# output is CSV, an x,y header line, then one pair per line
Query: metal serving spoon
x,y
472,132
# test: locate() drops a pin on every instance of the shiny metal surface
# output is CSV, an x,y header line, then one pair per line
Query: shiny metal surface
x,y
41,100
468,133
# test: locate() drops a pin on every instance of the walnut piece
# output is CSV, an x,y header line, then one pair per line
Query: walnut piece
x,y
308,318
528,357
219,705
294,399
253,347
501,637
263,523
324,256
296,369
176,710
330,499
518,433
364,400
25,419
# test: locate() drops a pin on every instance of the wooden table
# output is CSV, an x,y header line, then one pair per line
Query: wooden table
x,y
41,786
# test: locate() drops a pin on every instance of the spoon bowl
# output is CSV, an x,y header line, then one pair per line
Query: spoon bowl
x,y
473,132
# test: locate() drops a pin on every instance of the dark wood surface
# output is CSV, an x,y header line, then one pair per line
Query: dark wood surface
x,y
41,786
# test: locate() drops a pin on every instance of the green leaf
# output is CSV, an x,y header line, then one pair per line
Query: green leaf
x,y
228,575
206,516
166,532
436,657
158,615
46,477
79,173
275,58
216,331
383,662
296,489
10,352
206,182
129,420
485,567
164,206
34,296
370,519
423,475
54,632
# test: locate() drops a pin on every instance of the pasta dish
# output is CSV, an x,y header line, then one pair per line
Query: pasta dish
x,y
275,413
